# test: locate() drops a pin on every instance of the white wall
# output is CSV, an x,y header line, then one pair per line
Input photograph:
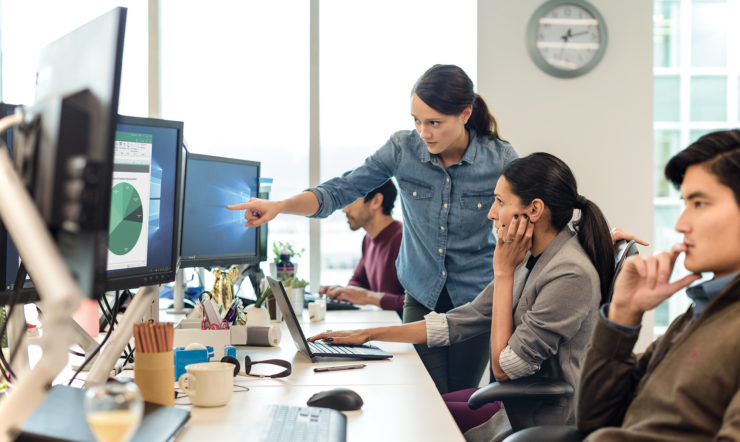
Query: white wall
x,y
599,123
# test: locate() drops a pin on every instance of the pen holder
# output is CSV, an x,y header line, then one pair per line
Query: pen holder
x,y
154,374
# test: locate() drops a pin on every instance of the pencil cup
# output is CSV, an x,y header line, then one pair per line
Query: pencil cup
x,y
153,374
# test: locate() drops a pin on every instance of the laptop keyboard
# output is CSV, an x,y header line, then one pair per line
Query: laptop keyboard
x,y
331,304
321,348
307,424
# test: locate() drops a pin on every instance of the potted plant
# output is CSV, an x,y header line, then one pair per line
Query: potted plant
x,y
296,290
256,314
282,267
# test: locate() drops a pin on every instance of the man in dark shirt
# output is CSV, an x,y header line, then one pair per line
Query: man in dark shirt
x,y
374,280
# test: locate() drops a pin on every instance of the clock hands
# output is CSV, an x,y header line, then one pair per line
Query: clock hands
x,y
569,34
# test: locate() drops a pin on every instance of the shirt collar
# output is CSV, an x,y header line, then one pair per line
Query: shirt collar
x,y
703,294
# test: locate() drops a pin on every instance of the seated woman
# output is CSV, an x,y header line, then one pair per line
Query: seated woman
x,y
547,287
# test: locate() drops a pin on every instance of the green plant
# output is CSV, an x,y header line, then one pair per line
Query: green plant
x,y
295,283
261,298
281,248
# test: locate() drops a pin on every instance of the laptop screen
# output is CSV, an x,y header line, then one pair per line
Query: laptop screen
x,y
290,318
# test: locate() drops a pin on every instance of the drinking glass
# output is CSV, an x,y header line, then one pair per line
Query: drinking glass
x,y
113,411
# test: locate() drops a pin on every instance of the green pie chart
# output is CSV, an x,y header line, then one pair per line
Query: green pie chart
x,y
126,216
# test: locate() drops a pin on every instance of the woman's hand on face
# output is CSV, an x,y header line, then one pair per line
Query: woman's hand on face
x,y
352,337
513,243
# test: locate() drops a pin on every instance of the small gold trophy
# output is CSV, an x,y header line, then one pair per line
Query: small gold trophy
x,y
223,287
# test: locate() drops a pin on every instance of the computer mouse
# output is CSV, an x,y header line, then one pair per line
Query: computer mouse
x,y
342,399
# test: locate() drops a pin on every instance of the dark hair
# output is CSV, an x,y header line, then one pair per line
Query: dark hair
x,y
719,152
547,177
389,192
447,89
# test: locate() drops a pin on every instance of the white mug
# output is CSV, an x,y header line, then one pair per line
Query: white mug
x,y
208,384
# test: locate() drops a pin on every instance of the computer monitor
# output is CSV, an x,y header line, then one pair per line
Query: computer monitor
x,y
213,236
65,147
144,233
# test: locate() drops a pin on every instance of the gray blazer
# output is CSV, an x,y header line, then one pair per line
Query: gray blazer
x,y
553,318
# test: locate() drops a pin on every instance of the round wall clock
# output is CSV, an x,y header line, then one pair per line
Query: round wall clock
x,y
566,38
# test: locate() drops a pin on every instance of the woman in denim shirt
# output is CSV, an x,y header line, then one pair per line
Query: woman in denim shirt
x,y
447,169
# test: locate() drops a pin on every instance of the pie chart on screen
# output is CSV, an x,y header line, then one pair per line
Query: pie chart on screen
x,y
126,216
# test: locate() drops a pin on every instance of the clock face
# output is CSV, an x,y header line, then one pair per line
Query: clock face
x,y
569,37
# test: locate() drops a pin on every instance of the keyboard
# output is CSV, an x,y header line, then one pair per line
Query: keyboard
x,y
331,304
309,424
364,351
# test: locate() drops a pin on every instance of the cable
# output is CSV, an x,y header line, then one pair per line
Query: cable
x,y
97,349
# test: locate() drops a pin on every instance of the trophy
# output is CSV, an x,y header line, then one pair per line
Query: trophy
x,y
223,287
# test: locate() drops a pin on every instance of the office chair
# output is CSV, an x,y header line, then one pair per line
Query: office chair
x,y
522,393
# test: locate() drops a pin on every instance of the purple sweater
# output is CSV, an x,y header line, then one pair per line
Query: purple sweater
x,y
376,270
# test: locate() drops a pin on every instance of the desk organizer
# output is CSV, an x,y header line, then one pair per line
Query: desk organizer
x,y
188,332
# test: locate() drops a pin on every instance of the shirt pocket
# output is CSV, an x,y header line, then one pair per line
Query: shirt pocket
x,y
474,209
416,196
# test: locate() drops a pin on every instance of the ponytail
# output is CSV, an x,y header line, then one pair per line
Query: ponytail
x,y
482,121
593,234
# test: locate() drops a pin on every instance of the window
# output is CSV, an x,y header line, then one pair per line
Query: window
x,y
696,69
371,55
237,74
25,31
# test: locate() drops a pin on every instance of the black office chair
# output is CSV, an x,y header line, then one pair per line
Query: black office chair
x,y
518,394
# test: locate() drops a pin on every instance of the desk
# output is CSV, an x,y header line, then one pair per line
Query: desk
x,y
401,401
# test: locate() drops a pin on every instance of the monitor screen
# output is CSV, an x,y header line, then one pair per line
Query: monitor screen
x,y
64,149
145,202
211,234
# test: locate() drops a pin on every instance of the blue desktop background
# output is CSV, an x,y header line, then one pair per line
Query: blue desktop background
x,y
161,196
208,228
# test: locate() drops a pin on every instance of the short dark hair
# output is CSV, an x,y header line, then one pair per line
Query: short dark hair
x,y
718,152
389,192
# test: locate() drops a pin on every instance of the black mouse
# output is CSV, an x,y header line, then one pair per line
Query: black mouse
x,y
342,399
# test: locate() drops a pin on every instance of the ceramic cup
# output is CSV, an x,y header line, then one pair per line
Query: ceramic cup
x,y
208,384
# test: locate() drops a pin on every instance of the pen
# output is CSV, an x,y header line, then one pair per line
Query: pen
x,y
339,367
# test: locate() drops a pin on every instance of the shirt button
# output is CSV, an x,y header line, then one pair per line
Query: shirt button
x,y
445,206
480,205
442,227
414,194
440,250
448,179
443,273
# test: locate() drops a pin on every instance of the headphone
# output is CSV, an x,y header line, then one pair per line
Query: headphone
x,y
248,366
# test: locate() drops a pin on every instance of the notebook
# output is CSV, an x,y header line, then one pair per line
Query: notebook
x,y
315,350
61,417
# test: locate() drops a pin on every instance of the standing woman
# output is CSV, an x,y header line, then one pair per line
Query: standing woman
x,y
446,169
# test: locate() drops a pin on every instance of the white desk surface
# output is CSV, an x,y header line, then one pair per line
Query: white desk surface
x,y
401,402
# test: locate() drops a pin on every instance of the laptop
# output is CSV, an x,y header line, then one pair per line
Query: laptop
x,y
61,417
315,350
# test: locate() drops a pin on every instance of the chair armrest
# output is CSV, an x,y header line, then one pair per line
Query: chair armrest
x,y
547,433
522,388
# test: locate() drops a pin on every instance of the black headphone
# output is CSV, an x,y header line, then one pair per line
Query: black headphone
x,y
248,366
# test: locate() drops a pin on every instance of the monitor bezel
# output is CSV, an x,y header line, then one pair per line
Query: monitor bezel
x,y
128,279
209,261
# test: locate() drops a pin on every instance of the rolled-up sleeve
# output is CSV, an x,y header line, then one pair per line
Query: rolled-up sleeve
x,y
438,334
341,191
514,366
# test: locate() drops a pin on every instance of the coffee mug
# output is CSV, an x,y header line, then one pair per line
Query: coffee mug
x,y
208,384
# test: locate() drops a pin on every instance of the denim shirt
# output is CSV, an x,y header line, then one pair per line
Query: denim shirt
x,y
447,236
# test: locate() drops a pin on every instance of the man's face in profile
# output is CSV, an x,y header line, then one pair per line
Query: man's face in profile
x,y
710,223
358,214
